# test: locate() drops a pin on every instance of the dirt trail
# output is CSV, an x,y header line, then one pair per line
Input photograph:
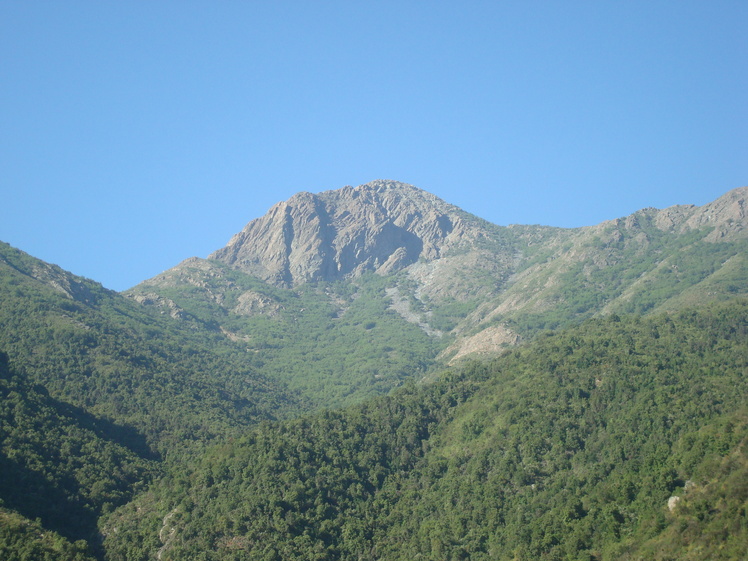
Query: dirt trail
x,y
163,536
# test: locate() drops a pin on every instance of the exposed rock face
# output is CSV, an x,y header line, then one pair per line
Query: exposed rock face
x,y
62,281
491,340
153,299
382,226
727,215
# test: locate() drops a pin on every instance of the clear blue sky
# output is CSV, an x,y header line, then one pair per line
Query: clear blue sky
x,y
136,134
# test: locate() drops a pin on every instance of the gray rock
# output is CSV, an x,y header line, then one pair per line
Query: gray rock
x,y
383,226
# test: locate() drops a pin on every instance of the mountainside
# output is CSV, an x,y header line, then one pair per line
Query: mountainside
x,y
619,439
103,353
380,227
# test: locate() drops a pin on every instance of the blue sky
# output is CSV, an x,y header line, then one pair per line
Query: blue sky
x,y
136,134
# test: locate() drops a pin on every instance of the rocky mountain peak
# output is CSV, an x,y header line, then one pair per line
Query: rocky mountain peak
x,y
382,226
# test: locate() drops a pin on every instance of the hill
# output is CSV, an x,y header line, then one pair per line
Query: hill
x,y
569,448
174,385
61,466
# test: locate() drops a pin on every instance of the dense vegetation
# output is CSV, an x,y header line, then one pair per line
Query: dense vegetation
x,y
569,448
305,342
22,539
61,464
97,389
176,385
94,391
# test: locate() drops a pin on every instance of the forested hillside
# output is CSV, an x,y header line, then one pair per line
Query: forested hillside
x,y
175,385
61,465
96,391
568,448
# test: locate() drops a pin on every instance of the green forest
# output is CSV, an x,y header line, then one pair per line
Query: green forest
x,y
121,361
568,448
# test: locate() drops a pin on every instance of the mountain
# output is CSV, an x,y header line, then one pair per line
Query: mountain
x,y
381,227
306,391
398,257
386,226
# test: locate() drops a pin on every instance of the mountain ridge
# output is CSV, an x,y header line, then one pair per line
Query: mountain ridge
x,y
386,225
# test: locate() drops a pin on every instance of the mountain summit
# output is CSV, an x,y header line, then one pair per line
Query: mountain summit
x,y
382,226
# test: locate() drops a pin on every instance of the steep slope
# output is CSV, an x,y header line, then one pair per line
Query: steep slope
x,y
303,336
175,384
653,259
568,448
649,261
